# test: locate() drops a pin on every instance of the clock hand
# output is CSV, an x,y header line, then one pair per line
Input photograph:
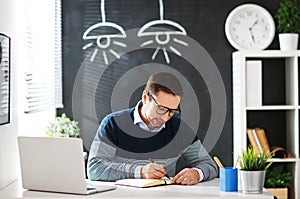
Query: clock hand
x,y
250,29
251,34
254,24
253,38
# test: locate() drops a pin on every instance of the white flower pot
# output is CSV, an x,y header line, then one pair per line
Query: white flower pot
x,y
288,41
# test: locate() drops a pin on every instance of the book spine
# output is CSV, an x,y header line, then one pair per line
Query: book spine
x,y
254,83
256,140
263,139
251,139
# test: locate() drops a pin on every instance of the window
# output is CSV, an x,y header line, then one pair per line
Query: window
x,y
43,55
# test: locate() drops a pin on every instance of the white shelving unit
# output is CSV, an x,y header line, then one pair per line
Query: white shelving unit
x,y
291,107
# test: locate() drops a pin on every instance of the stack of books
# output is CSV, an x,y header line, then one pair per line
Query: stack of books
x,y
259,141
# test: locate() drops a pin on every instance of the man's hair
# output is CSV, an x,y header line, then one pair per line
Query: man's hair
x,y
165,82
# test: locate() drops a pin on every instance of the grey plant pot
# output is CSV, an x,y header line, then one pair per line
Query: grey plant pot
x,y
252,181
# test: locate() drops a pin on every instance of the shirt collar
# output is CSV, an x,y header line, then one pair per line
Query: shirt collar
x,y
138,120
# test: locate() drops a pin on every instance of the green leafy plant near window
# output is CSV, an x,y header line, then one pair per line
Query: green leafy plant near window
x,y
63,127
254,160
288,17
277,178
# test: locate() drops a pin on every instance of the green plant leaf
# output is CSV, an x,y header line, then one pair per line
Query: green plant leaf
x,y
288,17
277,178
254,160
63,127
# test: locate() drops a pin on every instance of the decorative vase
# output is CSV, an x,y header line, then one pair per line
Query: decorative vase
x,y
252,181
288,41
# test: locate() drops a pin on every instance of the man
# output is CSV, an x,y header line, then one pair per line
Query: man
x,y
150,140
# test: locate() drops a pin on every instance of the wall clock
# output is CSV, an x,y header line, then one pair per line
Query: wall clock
x,y
249,27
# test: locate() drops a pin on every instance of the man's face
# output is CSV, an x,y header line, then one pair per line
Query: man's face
x,y
155,108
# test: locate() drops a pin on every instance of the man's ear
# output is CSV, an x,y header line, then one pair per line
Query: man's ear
x,y
144,96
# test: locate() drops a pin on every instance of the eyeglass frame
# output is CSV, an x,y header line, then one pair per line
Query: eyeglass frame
x,y
176,112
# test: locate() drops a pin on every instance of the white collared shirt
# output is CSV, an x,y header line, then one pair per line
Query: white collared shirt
x,y
138,120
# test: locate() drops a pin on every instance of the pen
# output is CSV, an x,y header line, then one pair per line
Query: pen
x,y
218,162
166,175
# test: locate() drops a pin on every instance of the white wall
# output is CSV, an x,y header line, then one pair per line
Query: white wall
x,y
9,132
12,24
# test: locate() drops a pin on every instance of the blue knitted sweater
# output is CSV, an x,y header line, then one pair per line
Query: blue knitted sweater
x,y
120,146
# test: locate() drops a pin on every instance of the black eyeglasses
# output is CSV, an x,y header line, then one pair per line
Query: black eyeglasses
x,y
161,110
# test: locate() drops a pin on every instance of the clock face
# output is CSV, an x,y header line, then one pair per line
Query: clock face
x,y
250,27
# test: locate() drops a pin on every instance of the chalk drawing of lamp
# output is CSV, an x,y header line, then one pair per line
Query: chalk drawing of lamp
x,y
163,30
103,34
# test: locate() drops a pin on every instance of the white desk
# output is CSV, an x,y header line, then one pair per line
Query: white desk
x,y
208,189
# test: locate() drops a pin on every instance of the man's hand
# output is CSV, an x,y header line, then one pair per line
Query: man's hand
x,y
152,171
187,176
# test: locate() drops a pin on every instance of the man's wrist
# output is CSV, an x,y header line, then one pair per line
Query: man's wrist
x,y
137,172
200,172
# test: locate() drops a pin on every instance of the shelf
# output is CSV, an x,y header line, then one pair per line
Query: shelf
x,y
279,114
267,54
282,160
277,107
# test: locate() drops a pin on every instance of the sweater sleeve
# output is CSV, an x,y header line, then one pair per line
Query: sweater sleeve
x,y
196,156
102,162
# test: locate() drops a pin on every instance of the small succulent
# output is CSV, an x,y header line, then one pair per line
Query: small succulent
x,y
63,127
254,160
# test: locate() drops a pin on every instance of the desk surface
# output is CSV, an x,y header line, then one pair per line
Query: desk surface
x,y
208,189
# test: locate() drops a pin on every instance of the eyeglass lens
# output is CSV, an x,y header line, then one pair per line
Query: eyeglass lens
x,y
161,110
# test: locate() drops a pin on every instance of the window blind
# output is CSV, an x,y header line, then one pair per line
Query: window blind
x,y
43,65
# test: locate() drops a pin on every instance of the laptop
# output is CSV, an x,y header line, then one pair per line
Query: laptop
x,y
55,165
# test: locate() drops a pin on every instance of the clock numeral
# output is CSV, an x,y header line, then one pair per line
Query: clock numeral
x,y
242,16
262,20
266,28
237,22
249,13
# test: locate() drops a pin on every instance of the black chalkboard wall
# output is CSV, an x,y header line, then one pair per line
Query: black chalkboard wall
x,y
119,81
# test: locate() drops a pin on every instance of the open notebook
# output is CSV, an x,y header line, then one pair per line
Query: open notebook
x,y
56,165
143,183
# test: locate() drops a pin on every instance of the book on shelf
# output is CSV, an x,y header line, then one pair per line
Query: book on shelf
x,y
254,83
253,139
261,135
143,183
258,139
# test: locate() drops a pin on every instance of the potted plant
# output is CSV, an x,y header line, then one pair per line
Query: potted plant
x,y
253,166
277,181
63,127
288,17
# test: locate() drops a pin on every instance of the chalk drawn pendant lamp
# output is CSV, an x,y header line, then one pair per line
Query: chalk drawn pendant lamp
x,y
162,37
103,40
